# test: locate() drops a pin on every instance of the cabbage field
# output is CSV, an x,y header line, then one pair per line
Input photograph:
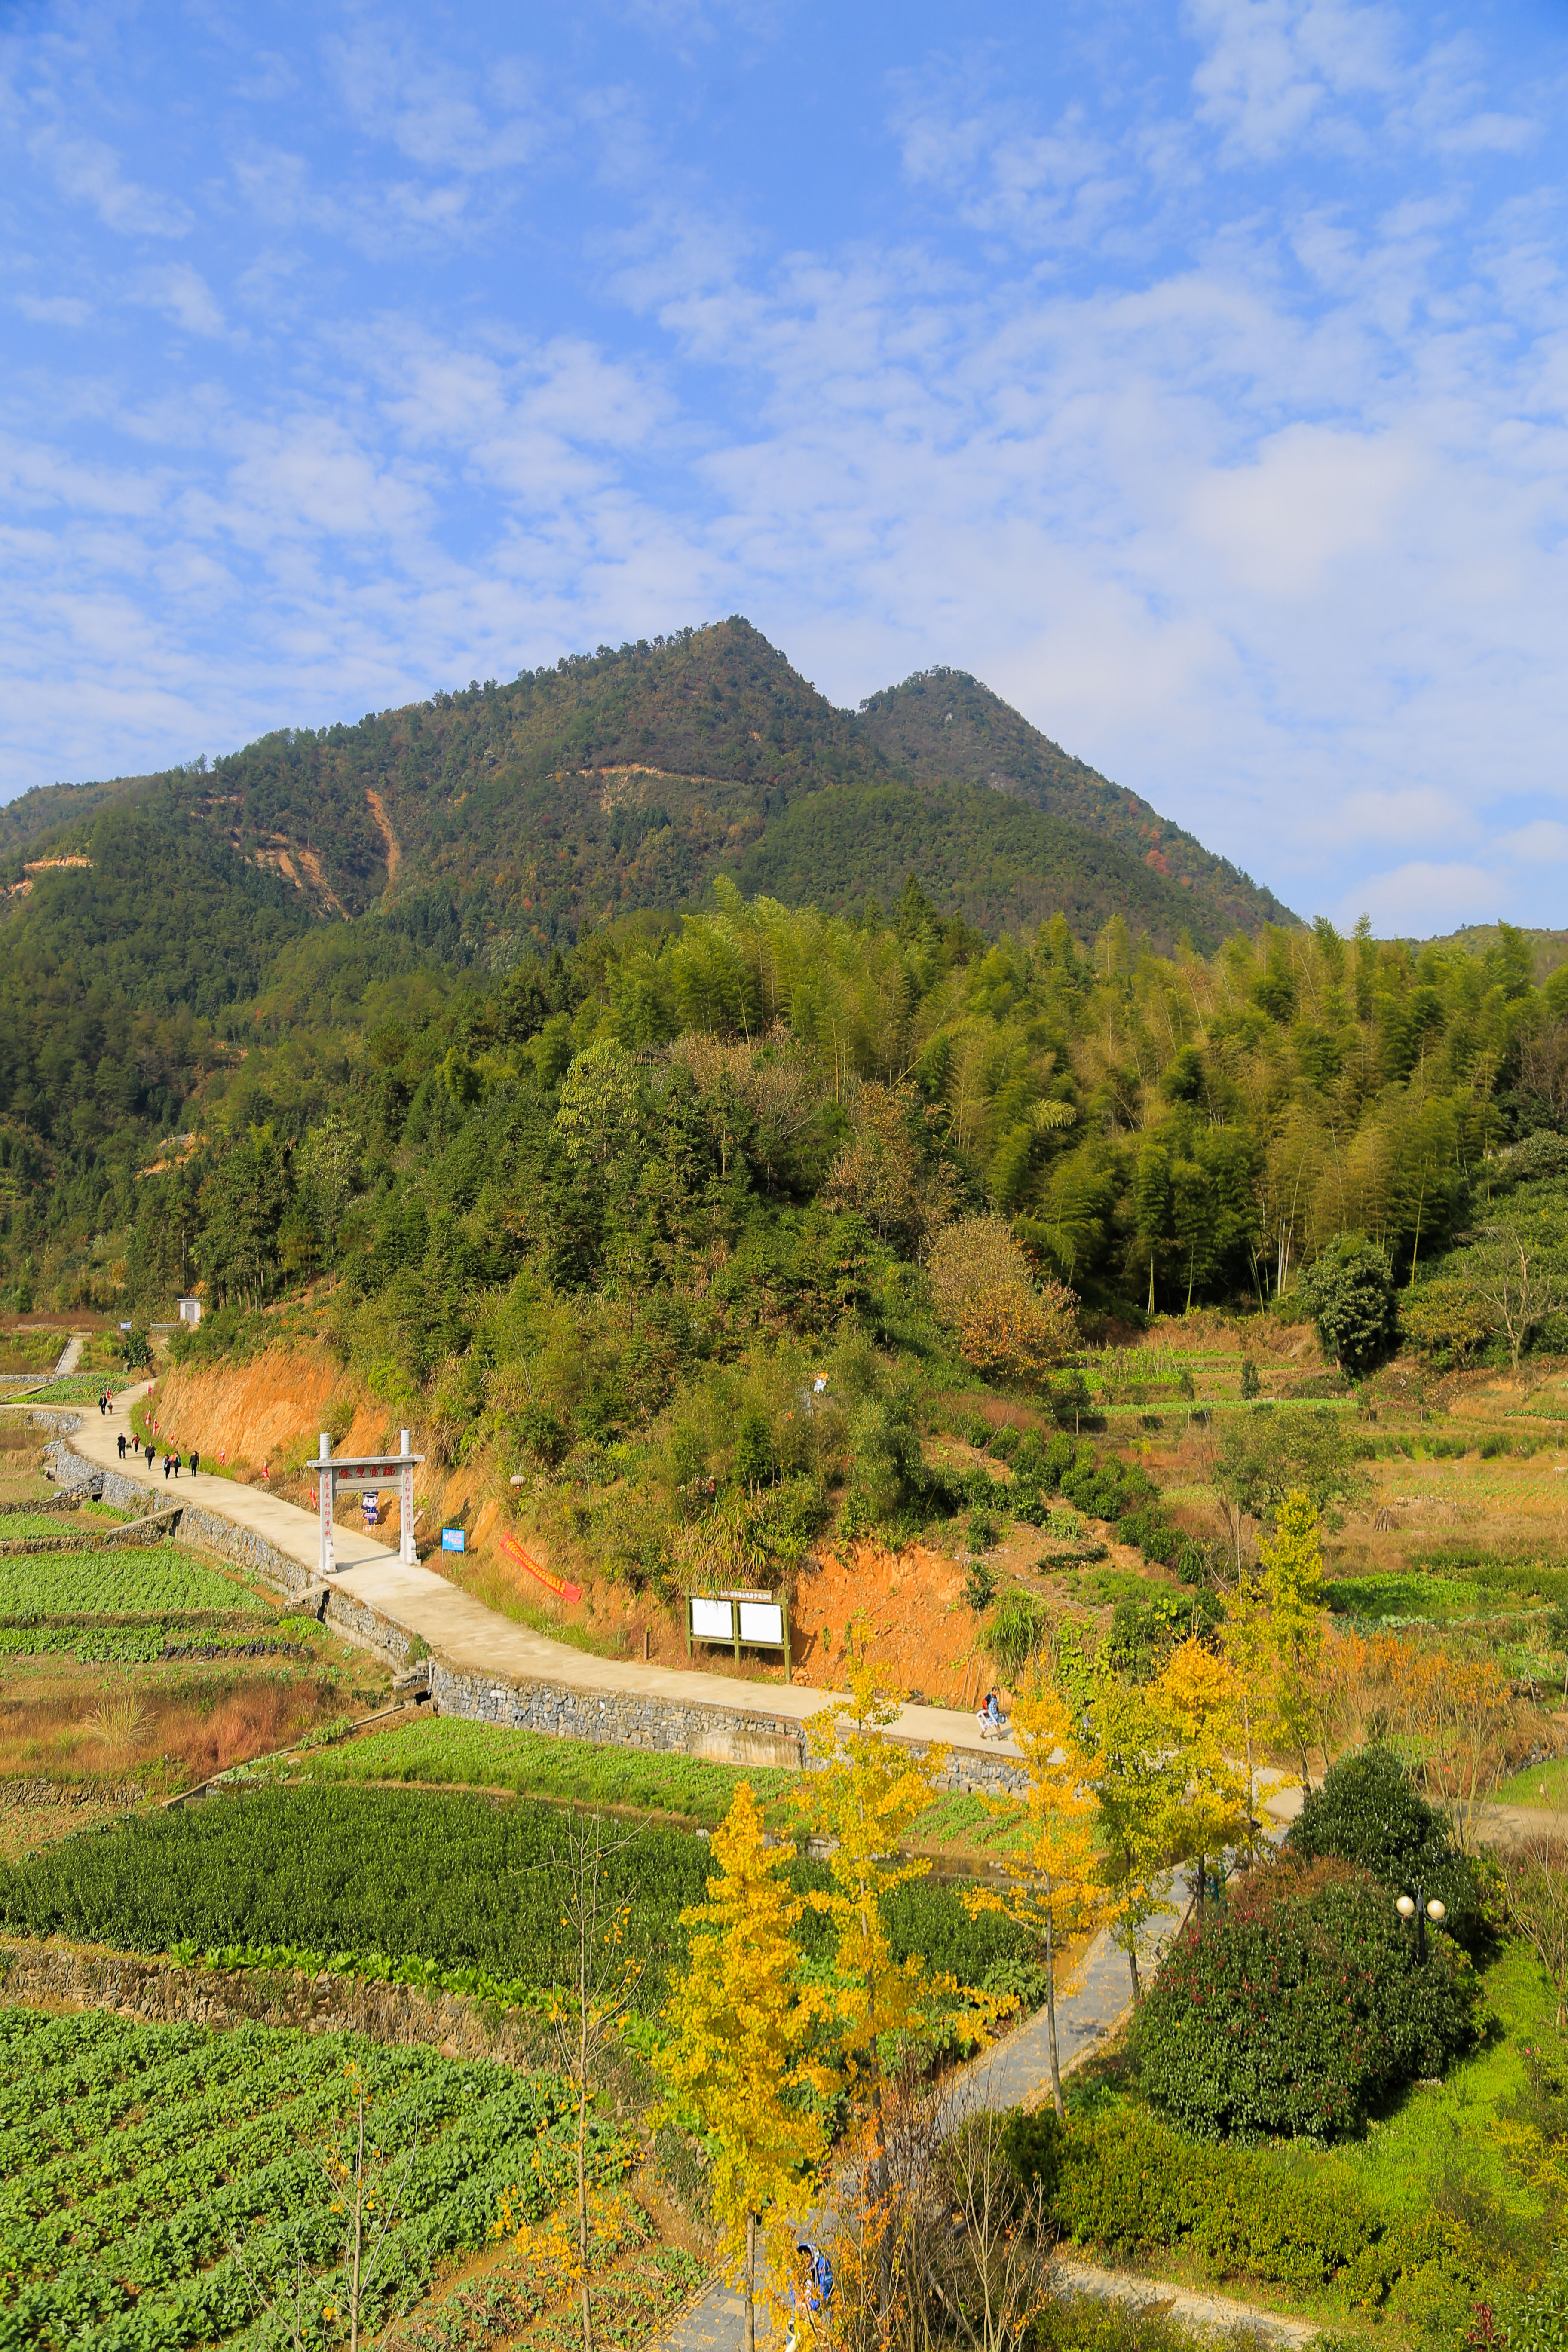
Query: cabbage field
x,y
140,1581
132,2156
130,1607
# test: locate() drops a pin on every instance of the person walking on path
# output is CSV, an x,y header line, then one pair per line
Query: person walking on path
x,y
195,1461
165,1466
120,1436
149,1454
990,1716
176,1461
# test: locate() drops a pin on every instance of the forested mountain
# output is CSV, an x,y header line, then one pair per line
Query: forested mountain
x,y
503,820
194,953
942,725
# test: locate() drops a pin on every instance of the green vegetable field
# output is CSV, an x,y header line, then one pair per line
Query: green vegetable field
x,y
133,2154
444,1748
143,1580
89,1515
451,1878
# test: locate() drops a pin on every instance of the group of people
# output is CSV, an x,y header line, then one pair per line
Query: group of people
x,y
172,1456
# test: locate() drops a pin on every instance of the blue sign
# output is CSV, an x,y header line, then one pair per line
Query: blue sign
x,y
452,1539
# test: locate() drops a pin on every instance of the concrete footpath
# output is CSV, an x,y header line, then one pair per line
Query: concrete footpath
x,y
1016,2073
469,1637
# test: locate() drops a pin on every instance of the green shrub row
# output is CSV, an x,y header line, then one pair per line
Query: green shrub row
x,y
1124,2182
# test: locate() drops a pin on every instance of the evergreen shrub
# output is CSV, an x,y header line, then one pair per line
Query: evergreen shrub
x,y
1300,2008
1370,1812
1348,1291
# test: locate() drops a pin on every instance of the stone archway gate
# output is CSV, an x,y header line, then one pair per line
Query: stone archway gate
x,y
384,1474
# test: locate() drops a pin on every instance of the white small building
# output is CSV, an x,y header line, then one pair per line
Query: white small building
x,y
190,1310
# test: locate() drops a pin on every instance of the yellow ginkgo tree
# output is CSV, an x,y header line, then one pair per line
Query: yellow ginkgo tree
x,y
864,1796
1198,1696
1052,1884
1133,1774
1292,1564
738,2061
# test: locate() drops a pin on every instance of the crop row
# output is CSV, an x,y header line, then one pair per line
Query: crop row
x,y
457,1879
153,2146
144,1645
146,1582
41,1518
433,1750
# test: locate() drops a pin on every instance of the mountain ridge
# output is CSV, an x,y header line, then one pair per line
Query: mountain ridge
x,y
503,819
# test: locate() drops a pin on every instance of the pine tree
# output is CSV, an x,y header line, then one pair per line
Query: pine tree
x,y
743,2023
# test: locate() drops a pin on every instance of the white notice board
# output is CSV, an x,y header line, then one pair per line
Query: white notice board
x,y
711,1621
762,1621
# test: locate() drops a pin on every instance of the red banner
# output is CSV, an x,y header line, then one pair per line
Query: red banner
x,y
547,1576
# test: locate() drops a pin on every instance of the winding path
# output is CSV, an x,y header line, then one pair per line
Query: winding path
x,y
469,1636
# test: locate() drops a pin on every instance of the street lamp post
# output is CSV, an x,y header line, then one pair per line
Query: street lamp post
x,y
1421,1911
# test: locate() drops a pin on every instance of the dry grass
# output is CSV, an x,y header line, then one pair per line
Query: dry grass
x,y
67,1724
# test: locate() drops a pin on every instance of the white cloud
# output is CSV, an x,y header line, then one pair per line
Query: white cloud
x,y
1424,899
55,310
181,294
88,170
1275,68
1543,842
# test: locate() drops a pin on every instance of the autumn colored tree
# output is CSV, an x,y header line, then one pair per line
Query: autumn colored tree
x,y
983,1288
1197,1699
1132,1771
865,1795
1250,1648
743,2022
1051,1881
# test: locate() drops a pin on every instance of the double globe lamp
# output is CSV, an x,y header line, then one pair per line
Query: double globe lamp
x,y
1420,1912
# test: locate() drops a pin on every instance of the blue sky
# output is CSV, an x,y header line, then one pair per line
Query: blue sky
x,y
1195,374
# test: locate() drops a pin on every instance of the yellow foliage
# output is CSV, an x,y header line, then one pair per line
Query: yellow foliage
x,y
1199,1699
867,1795
742,2022
1051,1872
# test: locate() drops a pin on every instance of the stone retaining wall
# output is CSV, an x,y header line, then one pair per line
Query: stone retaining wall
x,y
621,1718
717,1732
57,1976
722,1731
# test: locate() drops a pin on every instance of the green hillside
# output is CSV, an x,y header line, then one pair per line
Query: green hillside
x,y
157,930
506,819
997,863
942,725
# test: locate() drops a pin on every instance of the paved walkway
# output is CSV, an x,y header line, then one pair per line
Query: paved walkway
x,y
1015,2072
471,1637
69,1358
